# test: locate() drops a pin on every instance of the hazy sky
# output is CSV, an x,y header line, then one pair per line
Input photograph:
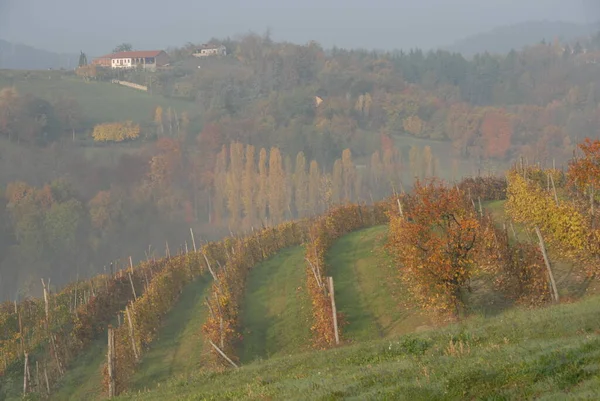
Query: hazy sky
x,y
97,26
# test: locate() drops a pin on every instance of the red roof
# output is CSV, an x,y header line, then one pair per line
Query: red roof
x,y
134,54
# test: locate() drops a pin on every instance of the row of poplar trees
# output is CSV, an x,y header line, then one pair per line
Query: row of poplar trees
x,y
253,188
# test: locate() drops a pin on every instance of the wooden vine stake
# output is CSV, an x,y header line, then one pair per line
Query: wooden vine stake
x,y
132,286
223,355
26,375
131,336
333,310
193,240
547,262
111,362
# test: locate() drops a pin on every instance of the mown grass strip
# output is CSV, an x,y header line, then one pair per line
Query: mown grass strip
x,y
367,289
276,311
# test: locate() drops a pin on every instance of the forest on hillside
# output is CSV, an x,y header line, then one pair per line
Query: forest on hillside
x,y
276,131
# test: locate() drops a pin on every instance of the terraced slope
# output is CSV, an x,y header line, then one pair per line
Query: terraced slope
x,y
277,310
548,353
367,289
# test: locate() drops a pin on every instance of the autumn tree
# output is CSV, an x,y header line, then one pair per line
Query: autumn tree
x,y
434,243
496,130
277,187
337,183
314,187
220,190
234,183
584,171
414,158
116,132
301,186
262,197
349,176
376,175
249,188
428,162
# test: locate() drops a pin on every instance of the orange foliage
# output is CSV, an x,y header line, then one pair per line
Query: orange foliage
x,y
496,130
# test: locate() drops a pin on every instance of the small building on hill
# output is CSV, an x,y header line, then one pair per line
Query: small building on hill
x,y
210,50
146,59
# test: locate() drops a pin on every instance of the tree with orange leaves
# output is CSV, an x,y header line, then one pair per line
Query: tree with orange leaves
x,y
496,131
584,172
435,240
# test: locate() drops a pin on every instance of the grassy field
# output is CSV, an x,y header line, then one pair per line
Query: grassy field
x,y
367,290
550,354
179,348
99,101
276,311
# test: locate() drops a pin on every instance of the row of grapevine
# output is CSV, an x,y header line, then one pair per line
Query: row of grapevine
x,y
222,327
142,317
54,330
564,220
488,188
322,234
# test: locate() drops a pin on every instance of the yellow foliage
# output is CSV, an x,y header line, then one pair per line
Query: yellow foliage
x,y
116,132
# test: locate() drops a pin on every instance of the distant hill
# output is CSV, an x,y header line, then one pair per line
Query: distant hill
x,y
503,39
23,57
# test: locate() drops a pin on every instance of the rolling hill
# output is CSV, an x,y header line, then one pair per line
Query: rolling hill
x,y
100,101
22,57
503,39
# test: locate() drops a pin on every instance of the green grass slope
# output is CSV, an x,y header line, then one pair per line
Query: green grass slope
x,y
100,101
551,354
277,310
83,379
367,290
180,344
178,351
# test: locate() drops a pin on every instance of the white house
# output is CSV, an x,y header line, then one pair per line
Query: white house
x,y
134,59
210,50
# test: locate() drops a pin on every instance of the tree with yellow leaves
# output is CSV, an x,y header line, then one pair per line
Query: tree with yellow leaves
x,y
314,187
116,132
277,187
262,196
301,186
234,183
348,176
249,189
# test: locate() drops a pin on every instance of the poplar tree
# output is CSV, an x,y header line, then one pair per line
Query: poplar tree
x,y
219,177
428,166
314,187
300,186
277,189
263,186
337,183
376,175
234,183
249,188
348,176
